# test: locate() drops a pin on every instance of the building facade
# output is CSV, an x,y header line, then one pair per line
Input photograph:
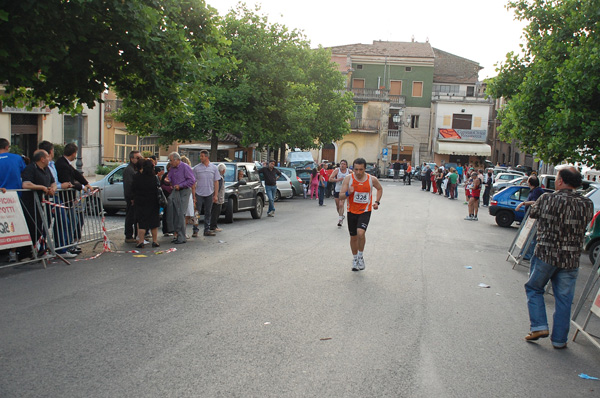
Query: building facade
x,y
26,128
460,112
388,79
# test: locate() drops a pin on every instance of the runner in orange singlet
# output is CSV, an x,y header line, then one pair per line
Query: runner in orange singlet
x,y
357,187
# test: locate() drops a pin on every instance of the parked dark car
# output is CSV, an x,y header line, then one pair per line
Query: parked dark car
x,y
373,169
243,194
303,171
504,203
592,238
297,183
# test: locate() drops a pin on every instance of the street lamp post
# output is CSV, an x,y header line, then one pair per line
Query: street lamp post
x,y
397,119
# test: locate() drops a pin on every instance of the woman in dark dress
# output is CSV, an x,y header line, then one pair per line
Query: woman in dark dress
x,y
145,200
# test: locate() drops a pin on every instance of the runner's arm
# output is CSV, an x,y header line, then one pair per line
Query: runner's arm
x,y
346,187
379,188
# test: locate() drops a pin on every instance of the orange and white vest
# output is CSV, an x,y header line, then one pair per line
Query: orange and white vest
x,y
359,201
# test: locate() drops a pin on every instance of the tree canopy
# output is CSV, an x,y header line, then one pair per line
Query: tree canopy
x,y
66,53
272,91
552,87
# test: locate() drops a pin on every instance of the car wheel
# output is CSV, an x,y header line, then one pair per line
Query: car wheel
x,y
229,211
111,212
258,209
277,196
505,218
594,251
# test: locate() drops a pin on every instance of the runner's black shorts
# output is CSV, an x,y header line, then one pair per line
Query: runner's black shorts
x,y
356,221
336,195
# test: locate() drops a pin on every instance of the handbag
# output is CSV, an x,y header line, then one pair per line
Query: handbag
x,y
162,199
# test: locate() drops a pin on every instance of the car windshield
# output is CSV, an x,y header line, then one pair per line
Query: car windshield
x,y
230,173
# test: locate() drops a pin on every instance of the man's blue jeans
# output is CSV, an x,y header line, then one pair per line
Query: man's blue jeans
x,y
271,191
321,194
563,286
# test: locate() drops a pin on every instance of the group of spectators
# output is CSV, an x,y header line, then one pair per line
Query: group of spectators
x,y
444,181
188,191
57,181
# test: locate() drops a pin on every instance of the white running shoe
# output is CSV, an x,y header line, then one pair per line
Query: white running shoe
x,y
361,263
355,264
469,218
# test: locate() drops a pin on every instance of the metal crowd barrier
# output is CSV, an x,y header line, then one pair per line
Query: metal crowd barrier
x,y
59,222
76,217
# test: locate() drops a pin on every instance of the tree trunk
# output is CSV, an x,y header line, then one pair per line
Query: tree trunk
x,y
282,155
214,146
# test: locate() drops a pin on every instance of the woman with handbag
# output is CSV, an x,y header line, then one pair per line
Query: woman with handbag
x,y
147,208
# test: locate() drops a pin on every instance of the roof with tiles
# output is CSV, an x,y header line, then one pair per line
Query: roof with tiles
x,y
450,68
389,48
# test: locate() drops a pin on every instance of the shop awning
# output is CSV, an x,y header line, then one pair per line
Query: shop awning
x,y
463,148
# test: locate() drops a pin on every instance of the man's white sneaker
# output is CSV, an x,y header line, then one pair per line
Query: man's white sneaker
x,y
361,263
469,218
67,255
475,219
355,264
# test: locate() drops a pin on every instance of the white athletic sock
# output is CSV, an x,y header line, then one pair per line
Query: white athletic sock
x,y
360,254
355,256
340,217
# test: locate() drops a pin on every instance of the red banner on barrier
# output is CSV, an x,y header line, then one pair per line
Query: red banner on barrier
x,y
13,228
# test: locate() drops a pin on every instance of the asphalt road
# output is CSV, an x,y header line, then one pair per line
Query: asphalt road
x,y
270,308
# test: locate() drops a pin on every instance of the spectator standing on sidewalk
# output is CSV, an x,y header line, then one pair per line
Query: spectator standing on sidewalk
x,y
216,207
207,188
181,178
270,174
67,174
322,183
397,167
147,208
36,178
12,165
452,183
128,174
563,216
489,181
424,177
408,173
474,188
167,189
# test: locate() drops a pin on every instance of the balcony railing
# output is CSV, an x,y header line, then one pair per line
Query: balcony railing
x,y
459,96
365,124
112,105
393,133
371,94
397,100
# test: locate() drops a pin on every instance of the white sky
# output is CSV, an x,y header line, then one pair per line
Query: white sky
x,y
480,30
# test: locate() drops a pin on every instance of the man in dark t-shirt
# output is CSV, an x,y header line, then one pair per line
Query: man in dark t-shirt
x,y
37,178
270,174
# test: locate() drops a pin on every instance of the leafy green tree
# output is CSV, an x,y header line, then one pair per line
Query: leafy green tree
x,y
66,53
552,87
270,88
296,94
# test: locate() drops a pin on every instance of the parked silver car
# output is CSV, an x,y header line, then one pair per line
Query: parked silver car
x,y
113,197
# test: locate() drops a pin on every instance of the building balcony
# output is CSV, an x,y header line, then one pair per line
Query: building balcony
x,y
460,97
365,125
